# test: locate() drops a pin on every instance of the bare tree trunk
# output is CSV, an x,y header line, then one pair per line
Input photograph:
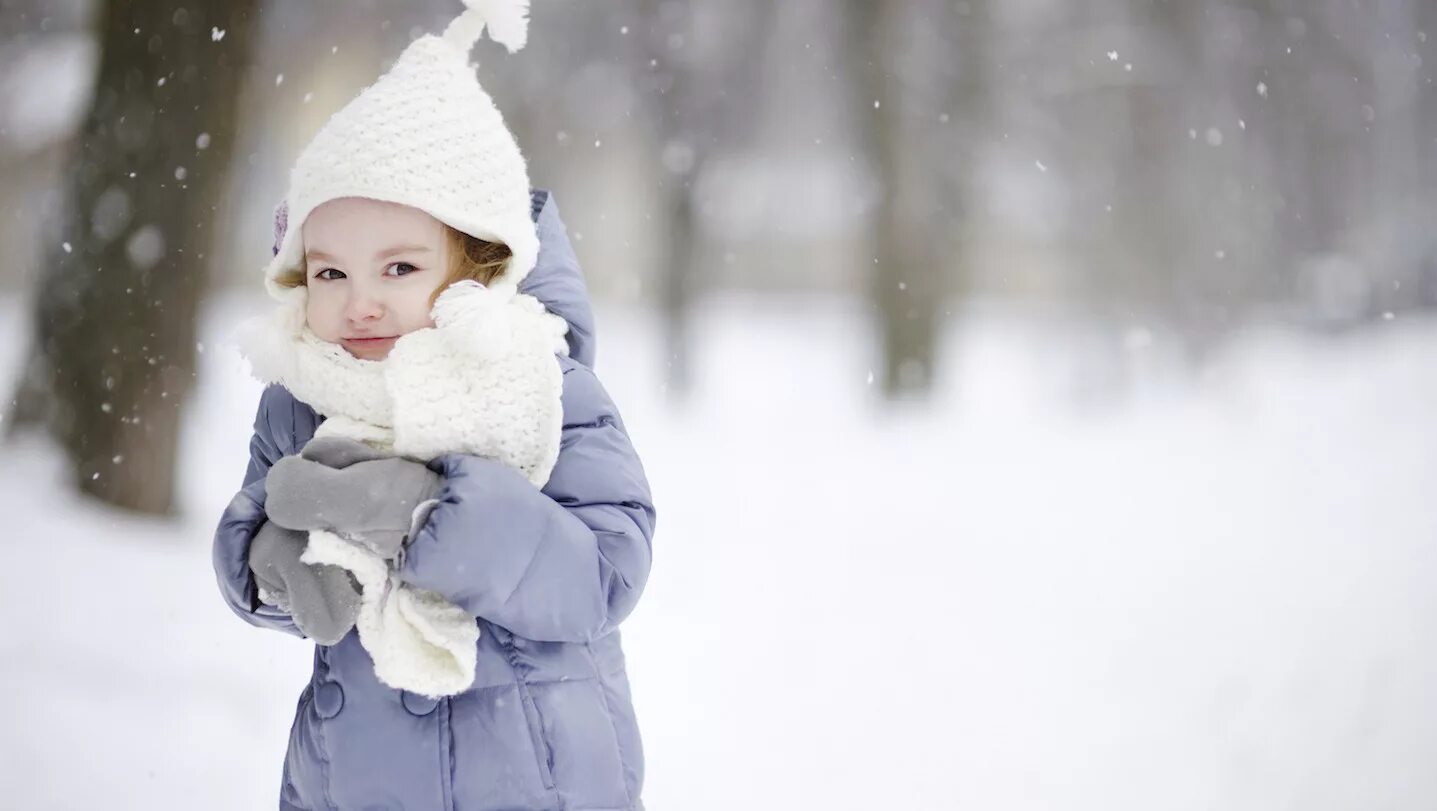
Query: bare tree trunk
x,y
1424,291
904,48
1396,148
1174,184
114,353
676,298
1320,96
704,57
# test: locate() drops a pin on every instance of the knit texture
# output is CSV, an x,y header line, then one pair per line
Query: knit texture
x,y
424,135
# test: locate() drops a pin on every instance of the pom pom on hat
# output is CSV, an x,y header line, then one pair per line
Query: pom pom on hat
x,y
507,21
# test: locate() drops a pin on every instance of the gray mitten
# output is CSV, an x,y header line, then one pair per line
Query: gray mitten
x,y
324,600
337,451
378,502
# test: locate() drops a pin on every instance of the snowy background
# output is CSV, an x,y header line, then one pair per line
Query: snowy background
x,y
1146,528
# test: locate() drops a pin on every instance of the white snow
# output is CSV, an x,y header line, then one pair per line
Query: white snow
x,y
145,247
45,88
1206,595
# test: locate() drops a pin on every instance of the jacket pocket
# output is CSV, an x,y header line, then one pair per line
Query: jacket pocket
x,y
543,756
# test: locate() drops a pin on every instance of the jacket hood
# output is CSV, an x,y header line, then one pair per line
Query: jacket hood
x,y
557,282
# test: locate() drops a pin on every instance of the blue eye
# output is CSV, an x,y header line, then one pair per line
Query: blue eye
x,y
402,268
321,274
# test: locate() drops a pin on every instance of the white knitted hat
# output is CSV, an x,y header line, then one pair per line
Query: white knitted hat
x,y
424,135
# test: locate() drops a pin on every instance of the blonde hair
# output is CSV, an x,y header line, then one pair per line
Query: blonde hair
x,y
469,258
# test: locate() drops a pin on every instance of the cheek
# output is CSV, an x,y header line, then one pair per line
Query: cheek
x,y
415,309
322,315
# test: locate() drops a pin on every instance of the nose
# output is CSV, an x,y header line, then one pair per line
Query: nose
x,y
363,306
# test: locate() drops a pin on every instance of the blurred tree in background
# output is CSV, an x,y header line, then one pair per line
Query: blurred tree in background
x,y
114,352
918,66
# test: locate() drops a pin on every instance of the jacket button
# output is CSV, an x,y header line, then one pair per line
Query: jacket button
x,y
417,704
328,699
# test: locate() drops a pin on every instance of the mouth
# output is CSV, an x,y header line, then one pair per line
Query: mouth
x,y
369,343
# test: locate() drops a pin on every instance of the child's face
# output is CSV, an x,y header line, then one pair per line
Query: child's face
x,y
371,268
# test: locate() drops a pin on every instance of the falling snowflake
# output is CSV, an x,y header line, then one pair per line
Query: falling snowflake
x,y
217,34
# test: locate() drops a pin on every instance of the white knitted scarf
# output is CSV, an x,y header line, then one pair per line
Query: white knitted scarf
x,y
485,380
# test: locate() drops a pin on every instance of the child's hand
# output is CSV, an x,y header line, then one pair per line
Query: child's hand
x,y
375,502
324,600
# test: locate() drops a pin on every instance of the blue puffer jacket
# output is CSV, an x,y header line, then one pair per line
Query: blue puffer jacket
x,y
548,723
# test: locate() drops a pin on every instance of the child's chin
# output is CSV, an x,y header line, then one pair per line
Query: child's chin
x,y
370,355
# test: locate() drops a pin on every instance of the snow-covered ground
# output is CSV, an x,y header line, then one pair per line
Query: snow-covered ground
x,y
1212,595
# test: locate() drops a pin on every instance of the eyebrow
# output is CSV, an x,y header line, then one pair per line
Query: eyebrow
x,y
321,256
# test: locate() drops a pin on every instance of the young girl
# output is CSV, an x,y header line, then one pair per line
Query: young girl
x,y
464,449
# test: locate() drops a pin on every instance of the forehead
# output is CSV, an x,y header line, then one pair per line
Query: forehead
x,y
358,224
